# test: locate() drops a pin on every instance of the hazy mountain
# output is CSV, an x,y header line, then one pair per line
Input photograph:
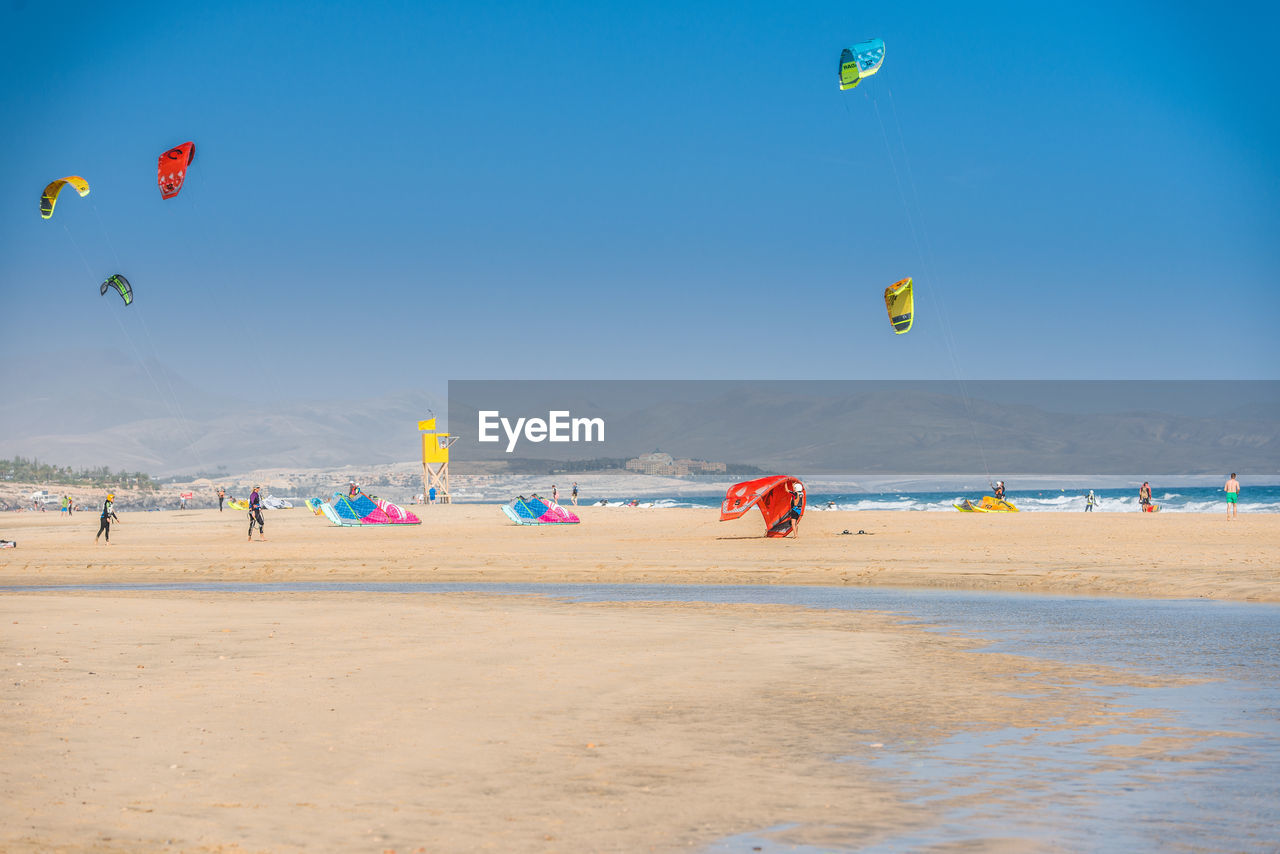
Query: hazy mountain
x,y
87,410
103,409
913,429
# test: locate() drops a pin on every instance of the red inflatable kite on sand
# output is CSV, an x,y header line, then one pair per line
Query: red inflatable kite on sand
x,y
173,168
773,495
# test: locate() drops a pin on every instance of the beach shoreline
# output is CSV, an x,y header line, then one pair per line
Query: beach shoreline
x,y
1107,554
206,722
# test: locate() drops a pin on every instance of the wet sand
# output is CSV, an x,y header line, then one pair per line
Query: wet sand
x,y
463,722
246,722
1121,554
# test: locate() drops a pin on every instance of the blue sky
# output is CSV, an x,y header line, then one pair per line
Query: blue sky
x,y
388,197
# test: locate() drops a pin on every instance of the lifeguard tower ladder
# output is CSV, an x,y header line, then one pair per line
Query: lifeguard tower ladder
x,y
435,460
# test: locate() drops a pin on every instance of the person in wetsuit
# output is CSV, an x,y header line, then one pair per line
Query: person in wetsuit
x,y
255,514
108,513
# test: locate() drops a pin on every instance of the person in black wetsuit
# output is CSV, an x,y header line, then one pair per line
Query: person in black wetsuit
x,y
255,514
108,513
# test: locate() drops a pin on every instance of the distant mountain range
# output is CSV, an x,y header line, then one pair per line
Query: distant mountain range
x,y
113,412
914,428
110,411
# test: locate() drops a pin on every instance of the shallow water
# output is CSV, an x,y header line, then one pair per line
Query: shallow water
x,y
1082,789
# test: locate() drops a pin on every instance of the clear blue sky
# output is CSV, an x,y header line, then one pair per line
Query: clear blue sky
x,y
643,190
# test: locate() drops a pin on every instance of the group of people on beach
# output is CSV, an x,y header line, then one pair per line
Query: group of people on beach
x,y
791,520
573,495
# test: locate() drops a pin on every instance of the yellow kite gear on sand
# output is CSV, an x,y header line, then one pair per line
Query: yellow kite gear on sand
x,y
988,504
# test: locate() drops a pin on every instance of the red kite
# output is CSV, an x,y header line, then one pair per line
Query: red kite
x,y
774,496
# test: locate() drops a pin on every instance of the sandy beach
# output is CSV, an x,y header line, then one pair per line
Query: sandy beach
x,y
1121,554
277,722
140,721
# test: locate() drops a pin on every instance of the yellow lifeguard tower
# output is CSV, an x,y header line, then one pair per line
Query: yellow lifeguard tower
x,y
435,460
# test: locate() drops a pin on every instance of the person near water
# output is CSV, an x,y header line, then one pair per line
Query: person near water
x,y
1232,489
108,513
555,494
574,495
1144,494
222,496
999,490
1089,501
255,513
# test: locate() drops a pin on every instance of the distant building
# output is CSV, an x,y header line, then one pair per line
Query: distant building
x,y
659,463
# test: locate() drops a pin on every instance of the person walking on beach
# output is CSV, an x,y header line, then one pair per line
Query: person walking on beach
x,y
66,505
1089,501
108,513
431,495
255,513
1144,494
1232,489
573,496
222,496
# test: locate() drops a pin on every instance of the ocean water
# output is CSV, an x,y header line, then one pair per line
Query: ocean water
x,y
1171,498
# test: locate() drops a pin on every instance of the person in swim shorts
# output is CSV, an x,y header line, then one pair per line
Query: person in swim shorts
x,y
1232,489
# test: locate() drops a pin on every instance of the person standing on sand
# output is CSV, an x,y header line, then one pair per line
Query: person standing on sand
x,y
1232,489
555,494
574,495
1144,494
222,496
797,508
1089,501
108,513
431,495
255,513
